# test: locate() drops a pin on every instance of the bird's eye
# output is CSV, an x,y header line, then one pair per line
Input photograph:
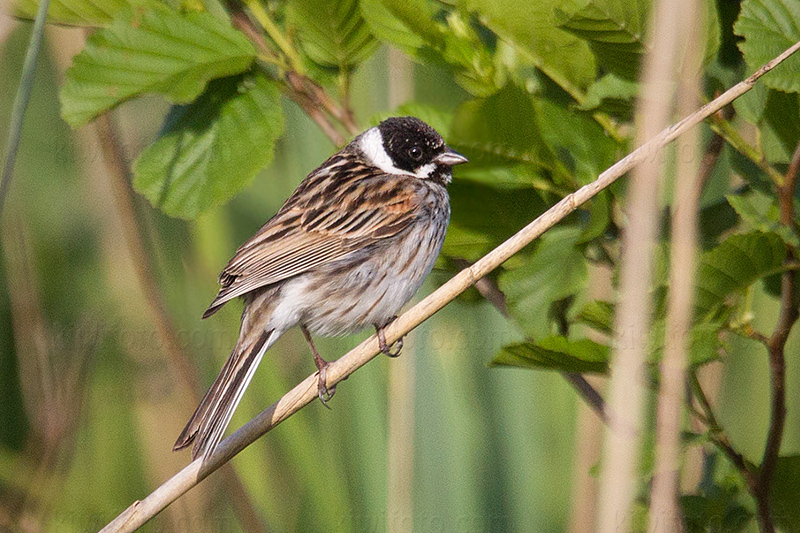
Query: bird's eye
x,y
415,153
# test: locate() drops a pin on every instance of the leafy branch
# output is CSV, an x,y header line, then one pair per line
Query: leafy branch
x,y
306,392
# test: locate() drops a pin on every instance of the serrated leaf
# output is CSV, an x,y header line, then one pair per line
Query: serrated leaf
x,y
785,493
72,12
442,34
531,28
751,104
332,33
735,264
151,49
720,512
211,149
703,346
760,212
613,95
556,270
615,31
556,353
769,27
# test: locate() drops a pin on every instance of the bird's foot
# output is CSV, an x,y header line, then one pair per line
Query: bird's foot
x,y
384,347
323,391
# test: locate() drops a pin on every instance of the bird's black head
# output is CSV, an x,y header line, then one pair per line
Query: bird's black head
x,y
406,145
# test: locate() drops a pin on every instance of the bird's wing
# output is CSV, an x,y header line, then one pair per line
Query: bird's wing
x,y
311,230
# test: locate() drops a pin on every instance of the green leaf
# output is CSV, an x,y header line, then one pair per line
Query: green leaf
x,y
441,34
151,49
556,271
72,12
555,353
576,140
332,33
704,341
418,16
599,217
717,513
735,264
760,212
530,27
389,28
612,95
769,27
484,216
751,104
599,315
780,126
211,149
615,31
499,131
785,494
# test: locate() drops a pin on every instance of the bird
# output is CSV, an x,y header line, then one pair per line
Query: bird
x,y
350,246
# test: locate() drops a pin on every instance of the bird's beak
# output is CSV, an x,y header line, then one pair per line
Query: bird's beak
x,y
451,158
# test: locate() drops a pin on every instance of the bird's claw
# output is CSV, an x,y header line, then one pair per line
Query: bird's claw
x,y
323,392
383,346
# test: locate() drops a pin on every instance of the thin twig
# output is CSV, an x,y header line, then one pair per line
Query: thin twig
x,y
717,435
723,127
306,392
21,100
777,360
274,33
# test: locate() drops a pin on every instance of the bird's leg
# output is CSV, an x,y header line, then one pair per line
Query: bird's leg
x,y
323,391
385,348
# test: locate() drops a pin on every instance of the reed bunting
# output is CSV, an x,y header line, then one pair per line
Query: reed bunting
x,y
348,249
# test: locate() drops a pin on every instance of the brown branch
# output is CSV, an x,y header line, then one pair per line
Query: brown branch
x,y
316,114
306,392
309,96
777,360
492,293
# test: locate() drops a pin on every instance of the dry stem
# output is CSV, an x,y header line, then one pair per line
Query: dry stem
x,y
664,503
627,386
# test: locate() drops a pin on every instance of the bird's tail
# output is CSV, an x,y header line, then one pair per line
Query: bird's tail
x,y
214,413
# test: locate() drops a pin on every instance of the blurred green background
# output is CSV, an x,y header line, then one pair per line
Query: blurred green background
x,y
90,403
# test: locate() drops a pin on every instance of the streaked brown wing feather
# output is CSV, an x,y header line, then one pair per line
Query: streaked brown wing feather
x,y
319,229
